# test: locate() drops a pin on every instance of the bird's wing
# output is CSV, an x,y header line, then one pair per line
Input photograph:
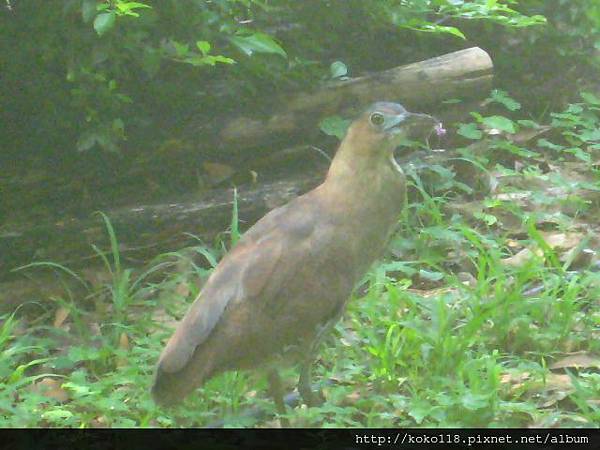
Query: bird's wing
x,y
252,272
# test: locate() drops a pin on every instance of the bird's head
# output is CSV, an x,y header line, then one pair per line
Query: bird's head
x,y
384,126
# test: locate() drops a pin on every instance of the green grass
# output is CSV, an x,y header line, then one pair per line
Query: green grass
x,y
444,332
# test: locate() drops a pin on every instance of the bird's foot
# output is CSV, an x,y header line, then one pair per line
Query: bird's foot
x,y
312,398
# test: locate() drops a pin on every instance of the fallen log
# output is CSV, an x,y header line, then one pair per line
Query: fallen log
x,y
422,86
142,232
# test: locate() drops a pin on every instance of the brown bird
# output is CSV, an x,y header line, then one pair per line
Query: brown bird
x,y
287,281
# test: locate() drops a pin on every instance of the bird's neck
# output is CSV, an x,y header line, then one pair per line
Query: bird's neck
x,y
350,166
369,187
354,171
366,194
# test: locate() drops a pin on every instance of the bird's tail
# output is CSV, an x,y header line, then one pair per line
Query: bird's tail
x,y
170,388
165,390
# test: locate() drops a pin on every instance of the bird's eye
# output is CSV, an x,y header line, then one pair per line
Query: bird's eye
x,y
377,119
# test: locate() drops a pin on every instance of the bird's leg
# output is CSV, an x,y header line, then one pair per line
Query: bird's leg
x,y
310,397
276,391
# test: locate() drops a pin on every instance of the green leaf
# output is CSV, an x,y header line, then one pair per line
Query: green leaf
x,y
210,60
489,219
80,389
500,96
104,22
124,422
470,131
590,135
431,276
515,149
181,49
546,143
198,60
338,69
334,126
118,127
433,28
450,30
501,123
419,409
528,123
63,362
20,371
579,154
88,10
219,59
399,266
83,354
203,46
57,415
474,402
588,97
126,8
575,108
257,43
86,141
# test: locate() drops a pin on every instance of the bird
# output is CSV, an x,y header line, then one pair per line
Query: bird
x,y
282,287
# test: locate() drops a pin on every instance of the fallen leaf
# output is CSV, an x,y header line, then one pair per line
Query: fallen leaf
x,y
60,316
124,341
578,257
527,134
51,388
549,391
162,318
514,378
512,243
99,422
123,345
467,279
515,381
562,241
555,420
513,196
96,278
352,398
556,388
521,258
579,360
429,293
183,289
95,329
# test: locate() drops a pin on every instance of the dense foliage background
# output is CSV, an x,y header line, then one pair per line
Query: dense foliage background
x,y
85,75
474,316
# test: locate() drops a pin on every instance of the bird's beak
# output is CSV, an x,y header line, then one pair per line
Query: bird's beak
x,y
407,127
